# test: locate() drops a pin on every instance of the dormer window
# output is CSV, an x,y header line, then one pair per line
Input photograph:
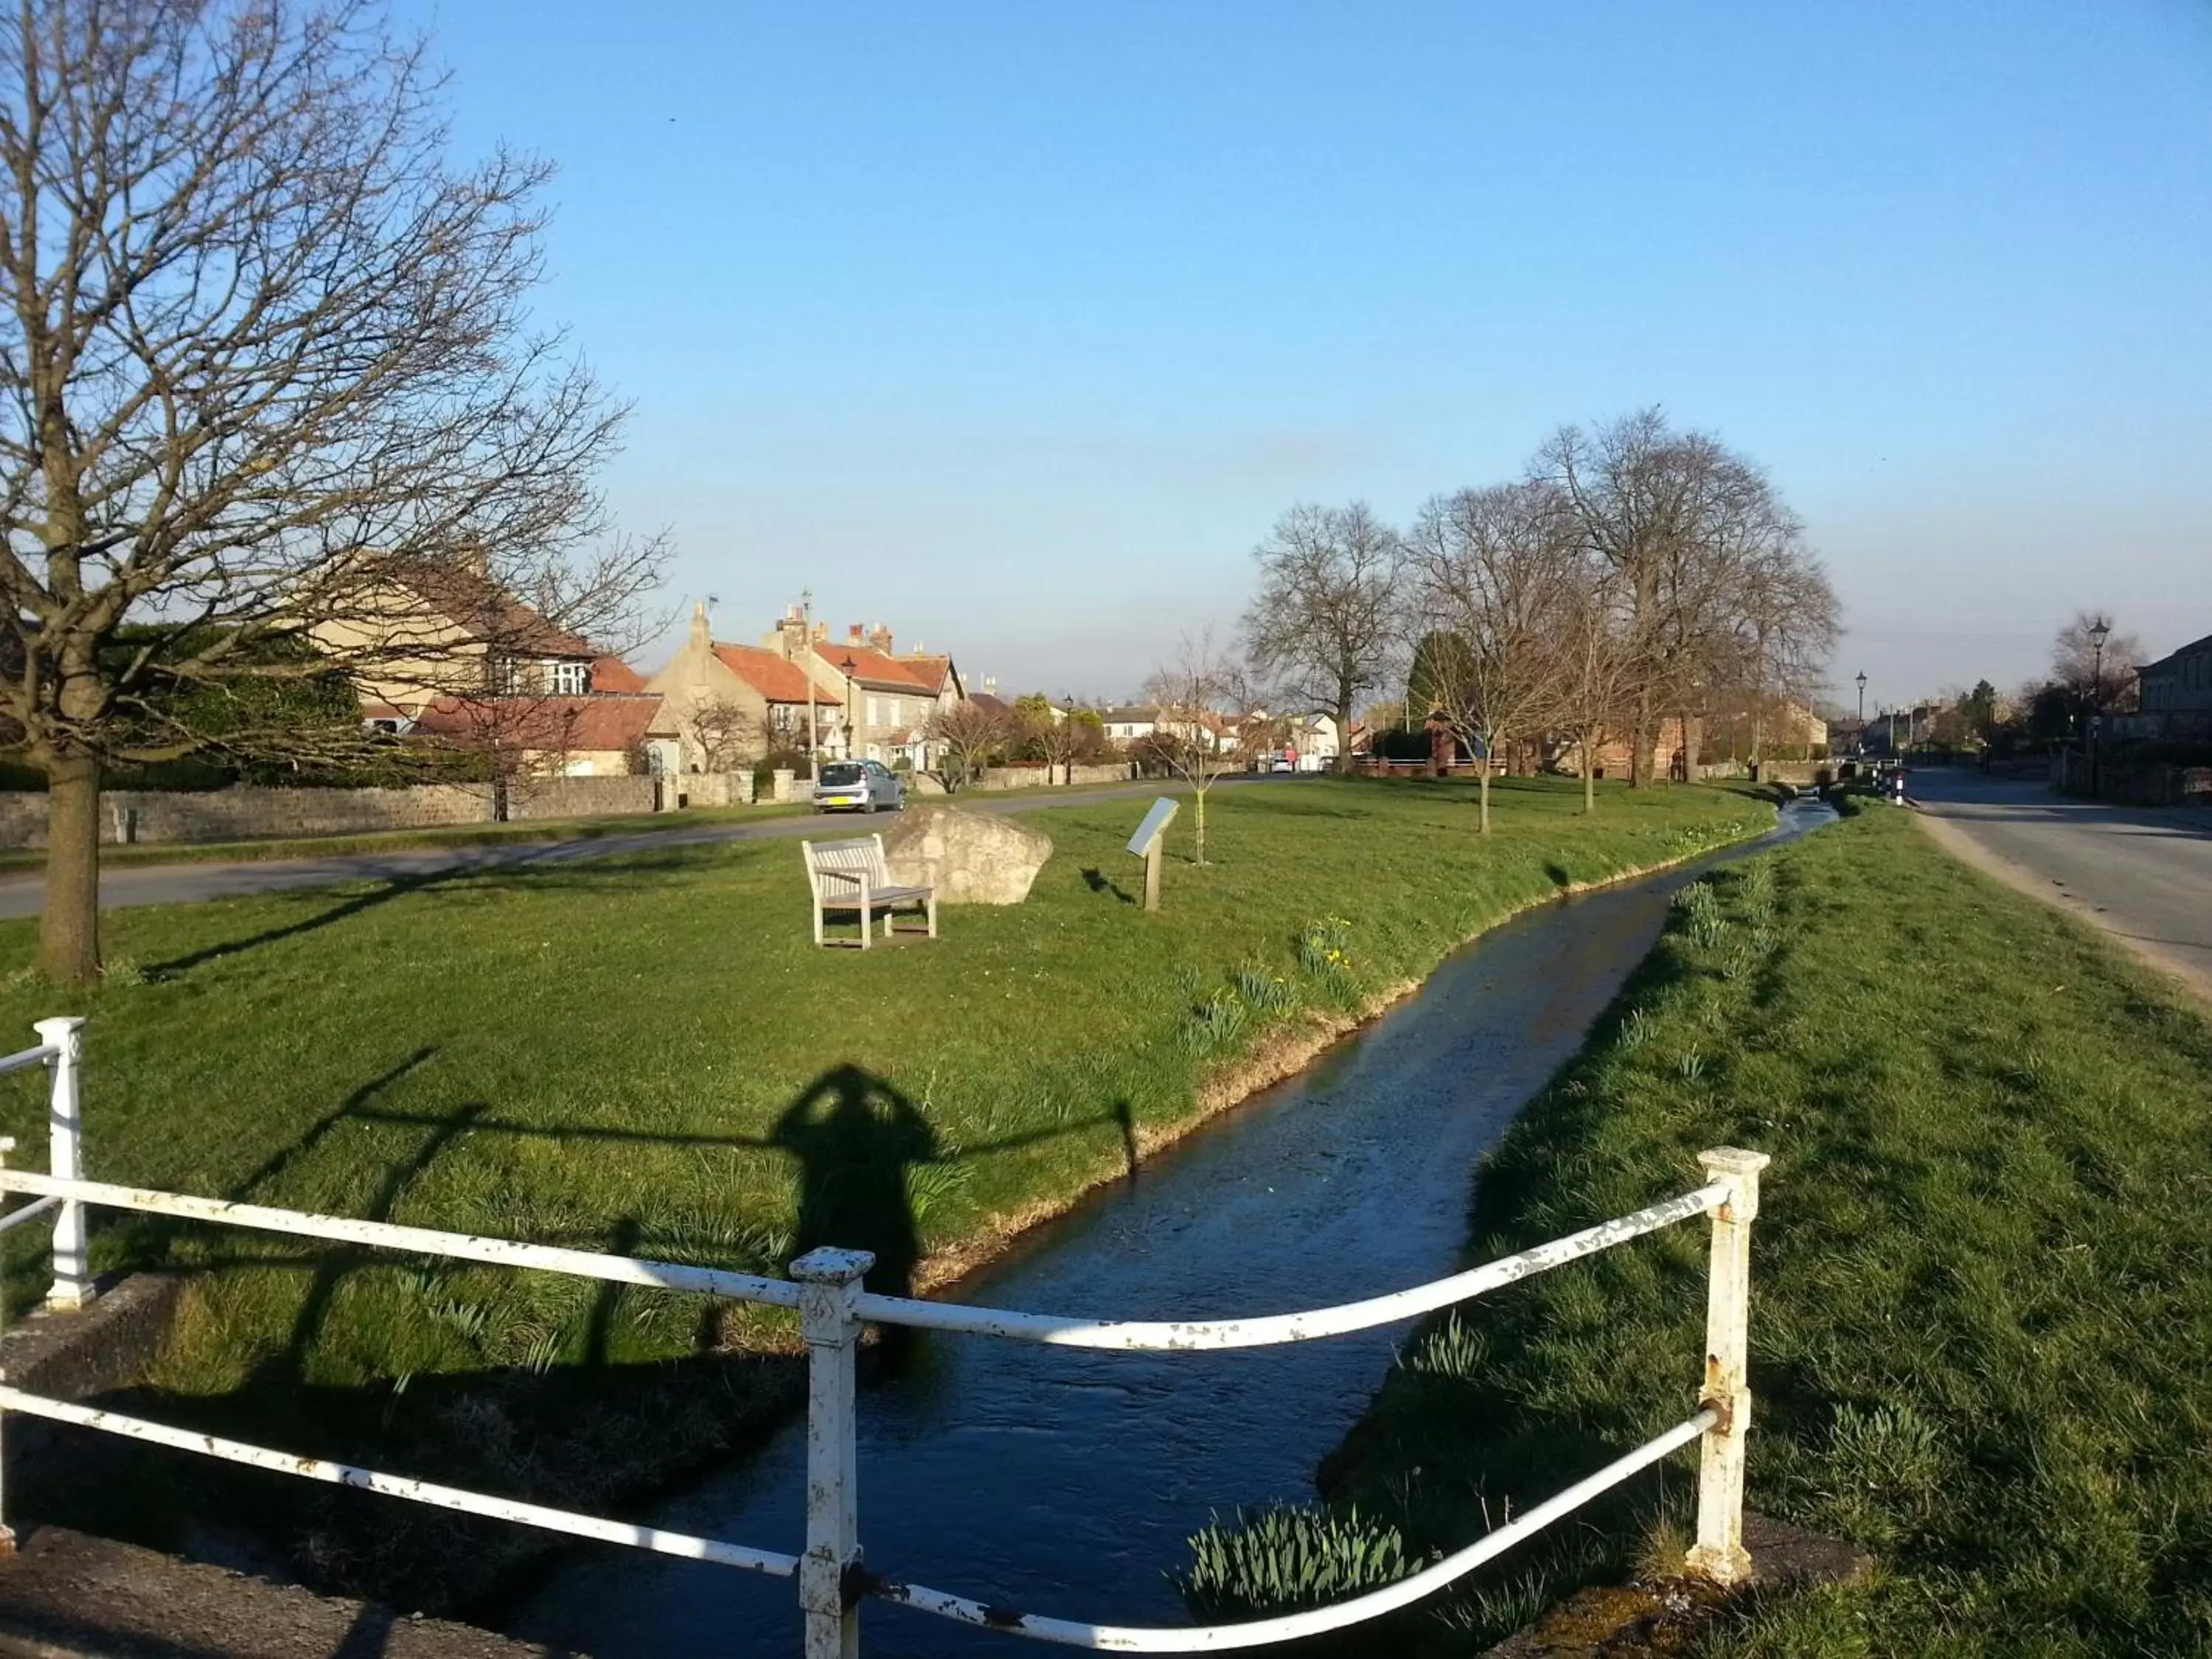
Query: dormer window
x,y
568,679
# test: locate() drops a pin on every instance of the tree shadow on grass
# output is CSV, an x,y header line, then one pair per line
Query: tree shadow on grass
x,y
605,872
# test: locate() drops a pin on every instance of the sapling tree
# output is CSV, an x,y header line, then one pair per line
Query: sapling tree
x,y
1190,691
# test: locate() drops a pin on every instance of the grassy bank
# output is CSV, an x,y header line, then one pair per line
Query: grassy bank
x,y
644,1052
1983,1297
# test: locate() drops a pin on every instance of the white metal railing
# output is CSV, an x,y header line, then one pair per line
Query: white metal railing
x,y
826,1288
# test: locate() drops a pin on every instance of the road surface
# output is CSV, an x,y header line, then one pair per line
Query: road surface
x,y
2143,876
126,885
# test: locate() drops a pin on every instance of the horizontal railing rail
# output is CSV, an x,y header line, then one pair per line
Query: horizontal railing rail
x,y
826,1288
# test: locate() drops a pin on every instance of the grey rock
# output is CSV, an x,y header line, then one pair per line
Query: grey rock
x,y
970,858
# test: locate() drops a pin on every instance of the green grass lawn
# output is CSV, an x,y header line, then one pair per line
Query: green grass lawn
x,y
645,1052
1982,1319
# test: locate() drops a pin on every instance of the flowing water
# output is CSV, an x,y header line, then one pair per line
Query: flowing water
x,y
1065,1483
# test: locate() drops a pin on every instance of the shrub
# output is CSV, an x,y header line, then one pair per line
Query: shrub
x,y
1282,1558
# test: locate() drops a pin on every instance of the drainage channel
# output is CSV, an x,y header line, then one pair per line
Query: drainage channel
x,y
1065,1482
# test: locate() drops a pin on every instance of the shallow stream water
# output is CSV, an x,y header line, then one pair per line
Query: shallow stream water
x,y
1064,1482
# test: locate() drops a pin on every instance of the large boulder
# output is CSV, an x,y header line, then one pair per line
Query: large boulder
x,y
970,858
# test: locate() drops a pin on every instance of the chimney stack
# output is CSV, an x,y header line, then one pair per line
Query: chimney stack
x,y
880,638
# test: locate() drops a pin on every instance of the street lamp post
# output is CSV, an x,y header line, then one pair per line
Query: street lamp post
x,y
2098,631
1862,697
852,714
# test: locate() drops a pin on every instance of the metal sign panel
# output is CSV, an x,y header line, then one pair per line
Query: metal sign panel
x,y
1154,826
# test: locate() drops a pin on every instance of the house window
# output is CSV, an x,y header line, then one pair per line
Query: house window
x,y
568,679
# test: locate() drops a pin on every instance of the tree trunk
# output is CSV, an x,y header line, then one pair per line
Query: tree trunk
x,y
1343,768
1641,743
1197,800
1482,788
1590,772
69,927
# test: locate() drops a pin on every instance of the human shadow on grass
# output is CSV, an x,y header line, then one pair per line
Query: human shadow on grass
x,y
860,1143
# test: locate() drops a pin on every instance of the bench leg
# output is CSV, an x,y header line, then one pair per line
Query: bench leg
x,y
932,916
817,925
868,926
887,923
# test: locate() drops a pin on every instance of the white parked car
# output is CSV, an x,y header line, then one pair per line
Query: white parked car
x,y
862,785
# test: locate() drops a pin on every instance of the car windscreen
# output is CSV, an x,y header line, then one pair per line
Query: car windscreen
x,y
840,773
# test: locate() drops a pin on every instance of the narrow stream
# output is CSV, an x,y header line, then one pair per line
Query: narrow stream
x,y
1065,1483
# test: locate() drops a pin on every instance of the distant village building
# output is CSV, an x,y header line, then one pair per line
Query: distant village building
x,y
2175,701
455,659
856,698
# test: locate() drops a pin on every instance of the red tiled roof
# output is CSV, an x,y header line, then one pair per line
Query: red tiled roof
x,y
613,674
581,724
928,668
771,674
872,667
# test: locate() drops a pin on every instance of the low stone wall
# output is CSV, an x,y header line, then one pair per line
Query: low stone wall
x,y
2073,772
708,789
582,797
1039,777
244,813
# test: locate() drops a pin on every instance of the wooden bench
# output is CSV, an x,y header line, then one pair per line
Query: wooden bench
x,y
849,875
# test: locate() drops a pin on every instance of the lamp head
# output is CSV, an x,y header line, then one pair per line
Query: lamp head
x,y
2099,630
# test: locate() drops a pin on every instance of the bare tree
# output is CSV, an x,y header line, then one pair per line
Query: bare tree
x,y
1495,569
967,736
724,732
1786,618
1680,518
1190,692
1596,663
2098,679
1324,626
264,350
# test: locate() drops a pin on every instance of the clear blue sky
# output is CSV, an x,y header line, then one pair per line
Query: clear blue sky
x,y
1015,325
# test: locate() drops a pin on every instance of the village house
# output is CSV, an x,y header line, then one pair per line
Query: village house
x,y
603,735
1127,722
733,704
798,690
450,656
890,699
2175,699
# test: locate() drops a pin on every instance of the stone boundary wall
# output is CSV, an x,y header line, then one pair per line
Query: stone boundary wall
x,y
1035,777
2072,772
245,813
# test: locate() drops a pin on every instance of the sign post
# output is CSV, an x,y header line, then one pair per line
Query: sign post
x,y
1146,844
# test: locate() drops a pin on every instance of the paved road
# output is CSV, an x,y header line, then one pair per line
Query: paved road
x,y
122,885
2143,876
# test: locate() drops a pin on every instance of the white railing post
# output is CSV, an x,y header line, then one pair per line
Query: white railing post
x,y
1719,1554
7,1533
829,1288
72,1286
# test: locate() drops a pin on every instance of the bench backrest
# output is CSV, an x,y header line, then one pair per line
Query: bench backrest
x,y
862,854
